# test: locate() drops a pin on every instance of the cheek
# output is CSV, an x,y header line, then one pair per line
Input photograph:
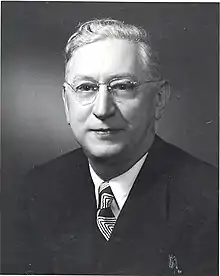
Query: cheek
x,y
78,114
139,112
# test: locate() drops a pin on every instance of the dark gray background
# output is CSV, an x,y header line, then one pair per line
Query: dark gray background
x,y
33,38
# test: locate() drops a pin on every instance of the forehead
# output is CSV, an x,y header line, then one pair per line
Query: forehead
x,y
105,58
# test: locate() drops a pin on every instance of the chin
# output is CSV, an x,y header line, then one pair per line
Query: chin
x,y
103,152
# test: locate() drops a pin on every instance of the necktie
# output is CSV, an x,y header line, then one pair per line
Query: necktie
x,y
105,217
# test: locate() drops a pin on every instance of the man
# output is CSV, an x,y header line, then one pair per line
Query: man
x,y
126,202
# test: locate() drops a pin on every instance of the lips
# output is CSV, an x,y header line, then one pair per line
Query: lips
x,y
106,131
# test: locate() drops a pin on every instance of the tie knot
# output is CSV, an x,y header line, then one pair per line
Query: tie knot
x,y
106,196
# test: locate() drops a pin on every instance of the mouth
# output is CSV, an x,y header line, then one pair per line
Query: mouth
x,y
106,131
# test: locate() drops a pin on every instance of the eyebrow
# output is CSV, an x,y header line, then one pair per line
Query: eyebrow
x,y
113,76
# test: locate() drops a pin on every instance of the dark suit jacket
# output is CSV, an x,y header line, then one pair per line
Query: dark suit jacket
x,y
166,227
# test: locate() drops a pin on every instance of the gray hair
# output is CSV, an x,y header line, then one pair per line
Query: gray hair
x,y
98,29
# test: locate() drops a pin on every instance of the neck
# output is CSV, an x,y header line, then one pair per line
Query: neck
x,y
112,167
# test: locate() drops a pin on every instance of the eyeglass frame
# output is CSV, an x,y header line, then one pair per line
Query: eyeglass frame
x,y
109,88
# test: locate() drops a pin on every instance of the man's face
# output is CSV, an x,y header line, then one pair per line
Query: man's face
x,y
107,128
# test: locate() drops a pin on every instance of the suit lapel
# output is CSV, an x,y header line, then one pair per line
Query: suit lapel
x,y
141,234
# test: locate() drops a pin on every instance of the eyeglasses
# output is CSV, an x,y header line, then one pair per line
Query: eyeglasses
x,y
120,89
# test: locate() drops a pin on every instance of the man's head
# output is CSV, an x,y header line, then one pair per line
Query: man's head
x,y
113,92
96,30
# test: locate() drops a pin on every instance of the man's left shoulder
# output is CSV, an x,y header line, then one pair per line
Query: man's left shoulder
x,y
191,180
179,162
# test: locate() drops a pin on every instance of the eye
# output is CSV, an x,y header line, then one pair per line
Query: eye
x,y
86,87
123,85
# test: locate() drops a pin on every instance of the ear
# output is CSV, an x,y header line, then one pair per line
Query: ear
x,y
66,105
162,97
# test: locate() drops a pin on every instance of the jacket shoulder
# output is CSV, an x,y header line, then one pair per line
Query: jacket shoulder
x,y
69,163
193,183
57,179
179,162
75,158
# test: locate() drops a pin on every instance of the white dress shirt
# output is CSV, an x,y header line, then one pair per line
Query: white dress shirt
x,y
120,185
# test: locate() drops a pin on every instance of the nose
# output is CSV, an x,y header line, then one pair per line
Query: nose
x,y
104,105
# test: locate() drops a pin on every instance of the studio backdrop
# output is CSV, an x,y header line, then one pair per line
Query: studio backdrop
x,y
33,39
34,35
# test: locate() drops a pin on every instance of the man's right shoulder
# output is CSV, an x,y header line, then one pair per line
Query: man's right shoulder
x,y
55,176
64,163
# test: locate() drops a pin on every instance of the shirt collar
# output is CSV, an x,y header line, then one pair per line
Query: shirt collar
x,y
120,185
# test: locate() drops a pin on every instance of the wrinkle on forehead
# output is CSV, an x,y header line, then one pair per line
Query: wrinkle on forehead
x,y
104,58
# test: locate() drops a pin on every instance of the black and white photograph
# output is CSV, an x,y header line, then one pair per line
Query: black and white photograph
x,y
109,142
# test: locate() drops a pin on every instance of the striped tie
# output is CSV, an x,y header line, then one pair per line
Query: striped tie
x,y
105,217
